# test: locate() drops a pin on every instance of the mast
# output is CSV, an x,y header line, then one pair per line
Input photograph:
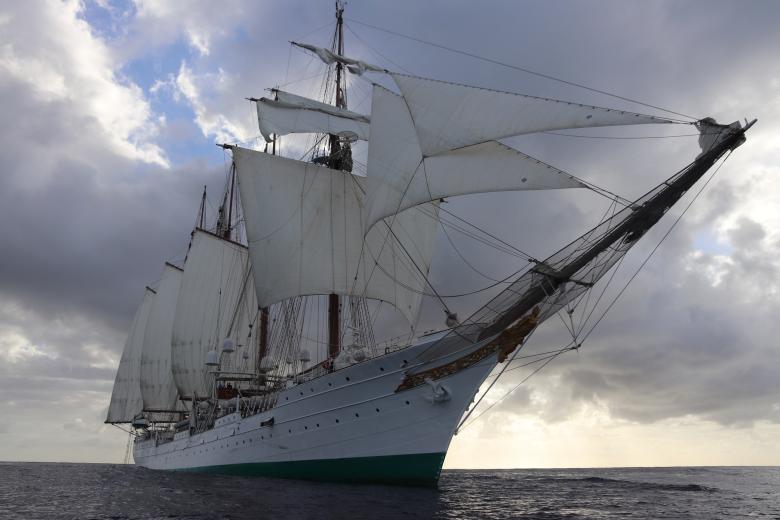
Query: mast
x,y
202,210
340,158
227,232
263,345
338,152
263,350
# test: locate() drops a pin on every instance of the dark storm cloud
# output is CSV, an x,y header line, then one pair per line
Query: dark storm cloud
x,y
84,230
676,345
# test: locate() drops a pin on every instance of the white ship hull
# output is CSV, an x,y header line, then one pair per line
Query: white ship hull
x,y
350,425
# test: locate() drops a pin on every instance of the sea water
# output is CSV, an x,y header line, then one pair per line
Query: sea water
x,y
105,491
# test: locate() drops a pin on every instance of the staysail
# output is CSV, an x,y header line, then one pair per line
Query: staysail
x,y
449,115
304,228
289,113
216,301
157,387
126,401
400,176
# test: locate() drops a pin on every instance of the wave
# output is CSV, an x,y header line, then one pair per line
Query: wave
x,y
634,484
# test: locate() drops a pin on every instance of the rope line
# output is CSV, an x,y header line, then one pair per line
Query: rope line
x,y
518,68
668,232
562,134
603,314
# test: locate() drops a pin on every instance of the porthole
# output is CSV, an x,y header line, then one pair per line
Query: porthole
x,y
377,410
346,378
381,369
318,425
337,420
357,415
407,402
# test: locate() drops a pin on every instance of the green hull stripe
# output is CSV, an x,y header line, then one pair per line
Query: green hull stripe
x,y
413,470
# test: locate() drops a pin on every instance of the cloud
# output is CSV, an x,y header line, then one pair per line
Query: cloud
x,y
55,54
90,207
680,343
211,123
200,22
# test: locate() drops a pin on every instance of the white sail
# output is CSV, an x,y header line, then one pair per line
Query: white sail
x,y
399,177
305,234
157,387
216,301
329,57
290,113
126,401
449,116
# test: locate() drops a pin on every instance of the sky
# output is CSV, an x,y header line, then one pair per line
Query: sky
x,y
110,115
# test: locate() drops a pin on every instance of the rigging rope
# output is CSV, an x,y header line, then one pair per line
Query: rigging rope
x,y
460,255
522,69
649,256
562,134
576,346
526,378
494,237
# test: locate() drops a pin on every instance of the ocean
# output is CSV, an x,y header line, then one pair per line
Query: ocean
x,y
106,491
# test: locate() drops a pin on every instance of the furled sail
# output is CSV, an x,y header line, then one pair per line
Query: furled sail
x,y
289,113
157,387
216,301
126,401
400,176
329,57
304,225
448,116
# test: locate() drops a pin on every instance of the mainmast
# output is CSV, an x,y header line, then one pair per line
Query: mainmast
x,y
340,158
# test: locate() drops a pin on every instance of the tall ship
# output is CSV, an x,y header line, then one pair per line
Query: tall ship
x,y
287,344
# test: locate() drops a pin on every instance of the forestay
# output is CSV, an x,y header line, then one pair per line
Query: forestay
x,y
157,387
216,301
126,401
289,113
399,177
305,235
